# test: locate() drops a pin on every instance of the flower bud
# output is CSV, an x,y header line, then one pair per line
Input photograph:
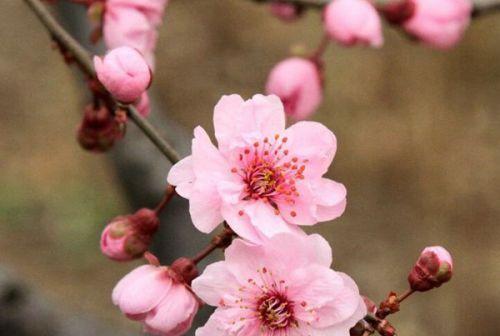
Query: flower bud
x,y
439,24
128,237
150,295
351,22
100,129
286,12
433,268
124,73
297,82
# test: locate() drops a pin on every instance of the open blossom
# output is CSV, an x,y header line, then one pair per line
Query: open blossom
x,y
134,23
351,22
124,73
262,179
284,287
439,24
151,295
297,81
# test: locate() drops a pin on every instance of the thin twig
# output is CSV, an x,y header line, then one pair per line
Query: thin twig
x,y
83,59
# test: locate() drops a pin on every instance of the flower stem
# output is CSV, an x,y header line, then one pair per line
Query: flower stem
x,y
222,240
405,295
167,196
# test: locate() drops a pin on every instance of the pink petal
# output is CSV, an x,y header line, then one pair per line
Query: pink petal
x,y
235,119
205,206
177,307
265,219
314,287
240,222
182,176
313,142
302,210
215,283
343,306
145,292
330,197
207,160
129,279
244,260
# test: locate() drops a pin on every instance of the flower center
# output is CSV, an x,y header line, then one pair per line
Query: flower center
x,y
269,172
275,311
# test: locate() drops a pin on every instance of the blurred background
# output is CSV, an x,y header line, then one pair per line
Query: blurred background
x,y
419,151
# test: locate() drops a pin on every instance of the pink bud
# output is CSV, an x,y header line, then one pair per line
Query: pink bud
x,y
297,81
284,11
100,129
128,237
124,73
433,268
351,22
150,295
440,24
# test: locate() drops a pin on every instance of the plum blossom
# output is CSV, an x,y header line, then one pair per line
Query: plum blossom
x,y
297,81
284,287
351,22
439,24
150,294
134,23
262,179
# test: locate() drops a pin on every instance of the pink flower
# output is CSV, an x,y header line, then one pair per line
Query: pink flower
x,y
134,23
124,73
433,268
283,287
439,24
297,81
284,11
262,179
128,237
149,294
351,22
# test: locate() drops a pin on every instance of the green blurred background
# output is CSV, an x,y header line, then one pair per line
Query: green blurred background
x,y
419,151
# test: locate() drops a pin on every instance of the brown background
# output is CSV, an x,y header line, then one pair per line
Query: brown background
x,y
419,151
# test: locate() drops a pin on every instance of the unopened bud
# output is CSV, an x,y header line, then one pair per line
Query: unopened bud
x,y
128,237
433,268
99,129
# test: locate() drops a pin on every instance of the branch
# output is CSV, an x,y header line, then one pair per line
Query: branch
x,y
82,58
481,8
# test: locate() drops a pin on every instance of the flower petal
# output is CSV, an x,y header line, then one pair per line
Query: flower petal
x,y
181,175
238,123
311,141
177,307
330,196
205,206
214,284
144,292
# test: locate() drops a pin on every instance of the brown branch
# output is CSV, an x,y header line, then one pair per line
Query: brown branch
x,y
480,8
84,61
